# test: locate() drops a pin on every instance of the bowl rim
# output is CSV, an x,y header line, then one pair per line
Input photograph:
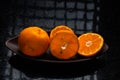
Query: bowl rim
x,y
13,41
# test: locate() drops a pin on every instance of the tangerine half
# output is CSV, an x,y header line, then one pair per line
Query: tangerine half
x,y
64,45
33,41
90,44
59,28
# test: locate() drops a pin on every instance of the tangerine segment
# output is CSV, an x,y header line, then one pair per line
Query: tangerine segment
x,y
90,44
64,45
59,28
33,41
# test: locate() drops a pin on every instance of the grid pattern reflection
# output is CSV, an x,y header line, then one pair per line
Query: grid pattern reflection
x,y
82,16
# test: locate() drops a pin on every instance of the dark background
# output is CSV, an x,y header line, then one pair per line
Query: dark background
x,y
109,29
110,26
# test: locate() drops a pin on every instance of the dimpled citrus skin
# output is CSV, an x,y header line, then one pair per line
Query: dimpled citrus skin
x,y
33,41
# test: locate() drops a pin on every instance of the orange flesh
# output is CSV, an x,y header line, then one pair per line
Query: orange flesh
x,y
59,28
64,45
90,44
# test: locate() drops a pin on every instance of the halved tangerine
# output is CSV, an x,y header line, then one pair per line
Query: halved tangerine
x,y
64,45
90,44
60,28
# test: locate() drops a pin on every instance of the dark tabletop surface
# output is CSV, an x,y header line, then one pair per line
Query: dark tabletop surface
x,y
14,67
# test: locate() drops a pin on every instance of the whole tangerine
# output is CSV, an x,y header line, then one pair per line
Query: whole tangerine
x,y
33,41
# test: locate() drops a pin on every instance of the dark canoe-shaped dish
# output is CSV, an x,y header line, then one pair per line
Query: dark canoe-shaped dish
x,y
48,66
12,44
